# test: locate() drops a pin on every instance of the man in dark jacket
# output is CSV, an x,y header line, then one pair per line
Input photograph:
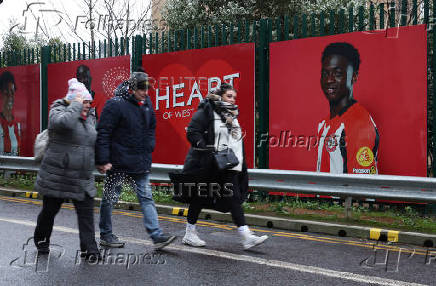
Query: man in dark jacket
x,y
125,141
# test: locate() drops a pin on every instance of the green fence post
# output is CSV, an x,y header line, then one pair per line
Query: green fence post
x,y
78,51
33,55
321,24
382,15
74,51
84,51
111,44
223,35
278,29
350,19
426,11
238,35
45,60
195,46
65,52
371,17
128,45
203,38
286,28
176,40
431,208
295,24
156,46
69,52
122,45
331,22
162,48
361,19
254,38
137,52
392,14
341,21
209,36
263,100
404,13
188,39
313,25
415,12
151,43
247,31
169,41
304,26
182,40
231,34
217,32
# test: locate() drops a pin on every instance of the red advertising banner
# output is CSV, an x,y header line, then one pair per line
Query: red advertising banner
x,y
20,109
182,79
106,74
333,113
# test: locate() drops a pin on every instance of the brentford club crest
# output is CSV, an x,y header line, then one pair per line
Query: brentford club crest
x,y
331,143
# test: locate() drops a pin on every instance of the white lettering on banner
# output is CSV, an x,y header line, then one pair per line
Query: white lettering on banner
x,y
230,77
176,95
164,97
195,93
212,80
213,83
184,113
167,115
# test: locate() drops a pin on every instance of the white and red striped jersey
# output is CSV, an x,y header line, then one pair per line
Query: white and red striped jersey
x,y
348,143
10,137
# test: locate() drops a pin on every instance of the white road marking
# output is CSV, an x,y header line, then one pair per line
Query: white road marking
x,y
246,258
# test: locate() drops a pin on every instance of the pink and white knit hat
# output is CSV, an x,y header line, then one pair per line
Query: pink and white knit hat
x,y
74,88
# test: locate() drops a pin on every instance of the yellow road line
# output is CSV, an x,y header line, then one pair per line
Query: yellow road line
x,y
374,232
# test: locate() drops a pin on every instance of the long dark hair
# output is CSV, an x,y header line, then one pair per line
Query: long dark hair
x,y
224,87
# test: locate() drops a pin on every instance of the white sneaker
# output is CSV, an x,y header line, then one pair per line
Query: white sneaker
x,y
249,239
191,237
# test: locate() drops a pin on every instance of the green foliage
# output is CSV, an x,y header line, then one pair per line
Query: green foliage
x,y
182,14
15,43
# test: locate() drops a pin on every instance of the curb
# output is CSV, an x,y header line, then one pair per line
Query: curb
x,y
377,234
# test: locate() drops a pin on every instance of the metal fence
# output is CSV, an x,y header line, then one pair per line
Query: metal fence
x,y
413,189
261,32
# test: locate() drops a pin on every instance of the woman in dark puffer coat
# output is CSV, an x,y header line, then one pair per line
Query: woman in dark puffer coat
x,y
66,170
215,126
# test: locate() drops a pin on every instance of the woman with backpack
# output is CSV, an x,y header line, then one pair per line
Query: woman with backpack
x,y
67,167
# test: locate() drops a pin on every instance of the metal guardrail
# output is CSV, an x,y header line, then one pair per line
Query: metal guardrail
x,y
411,189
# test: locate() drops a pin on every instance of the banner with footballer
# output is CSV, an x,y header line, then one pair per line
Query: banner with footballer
x,y
353,103
101,76
19,109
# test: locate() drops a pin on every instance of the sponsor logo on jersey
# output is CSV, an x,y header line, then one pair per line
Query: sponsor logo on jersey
x,y
331,143
361,171
364,156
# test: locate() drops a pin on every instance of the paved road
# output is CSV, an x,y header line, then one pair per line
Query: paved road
x,y
287,258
